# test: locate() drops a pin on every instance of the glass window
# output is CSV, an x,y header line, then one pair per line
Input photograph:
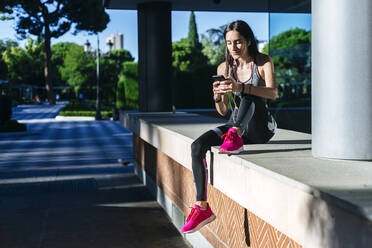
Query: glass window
x,y
290,48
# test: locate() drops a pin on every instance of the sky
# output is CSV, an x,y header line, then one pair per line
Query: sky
x,y
125,22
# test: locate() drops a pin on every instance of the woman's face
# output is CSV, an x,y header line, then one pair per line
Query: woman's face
x,y
236,44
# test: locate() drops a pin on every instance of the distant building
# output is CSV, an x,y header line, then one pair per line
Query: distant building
x,y
114,42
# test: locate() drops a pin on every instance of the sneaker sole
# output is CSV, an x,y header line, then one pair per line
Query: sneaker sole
x,y
203,223
232,152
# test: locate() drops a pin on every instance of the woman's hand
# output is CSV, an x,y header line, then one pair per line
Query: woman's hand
x,y
227,86
217,92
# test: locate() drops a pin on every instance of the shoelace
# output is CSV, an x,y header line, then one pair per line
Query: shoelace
x,y
228,136
195,215
191,213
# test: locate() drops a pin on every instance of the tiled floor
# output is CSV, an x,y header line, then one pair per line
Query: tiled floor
x,y
61,186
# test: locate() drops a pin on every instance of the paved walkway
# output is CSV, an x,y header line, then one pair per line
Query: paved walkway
x,y
61,186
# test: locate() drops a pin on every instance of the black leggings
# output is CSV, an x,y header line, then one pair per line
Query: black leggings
x,y
254,127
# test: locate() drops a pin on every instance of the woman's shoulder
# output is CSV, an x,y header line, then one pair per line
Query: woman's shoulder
x,y
262,59
221,69
222,66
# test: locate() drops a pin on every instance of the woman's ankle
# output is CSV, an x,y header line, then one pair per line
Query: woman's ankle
x,y
238,131
202,204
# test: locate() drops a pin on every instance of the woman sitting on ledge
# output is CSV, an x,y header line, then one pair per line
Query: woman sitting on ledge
x,y
249,75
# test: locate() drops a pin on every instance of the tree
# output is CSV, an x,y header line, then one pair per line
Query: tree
x,y
291,55
7,44
182,55
190,66
25,66
127,88
3,69
119,57
214,45
51,19
6,7
290,51
187,53
4,46
193,36
59,53
78,69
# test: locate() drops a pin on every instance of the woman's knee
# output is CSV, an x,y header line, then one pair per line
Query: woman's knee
x,y
197,149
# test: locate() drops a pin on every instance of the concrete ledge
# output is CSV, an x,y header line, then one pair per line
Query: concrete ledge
x,y
74,118
317,203
175,214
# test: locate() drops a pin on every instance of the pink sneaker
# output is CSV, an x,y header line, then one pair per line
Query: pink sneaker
x,y
197,219
232,144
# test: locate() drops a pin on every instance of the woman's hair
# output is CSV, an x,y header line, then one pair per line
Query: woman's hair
x,y
243,28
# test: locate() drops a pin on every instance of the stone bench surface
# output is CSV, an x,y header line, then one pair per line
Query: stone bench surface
x,y
286,157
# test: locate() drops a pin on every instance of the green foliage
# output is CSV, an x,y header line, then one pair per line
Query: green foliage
x,y
86,108
130,69
127,89
265,49
290,51
6,9
214,53
109,76
193,36
58,16
3,69
75,105
77,68
291,55
187,53
182,55
92,113
120,93
117,59
53,18
5,46
59,53
5,109
191,72
120,56
214,45
25,66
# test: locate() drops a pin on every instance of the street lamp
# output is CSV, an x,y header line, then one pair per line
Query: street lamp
x,y
110,44
87,47
98,115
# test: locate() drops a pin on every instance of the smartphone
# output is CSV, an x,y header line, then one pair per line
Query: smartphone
x,y
218,78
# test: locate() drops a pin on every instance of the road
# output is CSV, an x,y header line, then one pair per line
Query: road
x,y
61,186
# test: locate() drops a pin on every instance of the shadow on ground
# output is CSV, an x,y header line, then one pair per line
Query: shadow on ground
x,y
81,207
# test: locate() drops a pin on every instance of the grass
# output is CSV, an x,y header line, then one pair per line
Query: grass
x,y
84,113
76,108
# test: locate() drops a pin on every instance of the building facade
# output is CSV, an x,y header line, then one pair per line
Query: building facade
x,y
114,42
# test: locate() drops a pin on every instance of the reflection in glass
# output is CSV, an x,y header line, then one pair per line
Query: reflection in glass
x,y
290,48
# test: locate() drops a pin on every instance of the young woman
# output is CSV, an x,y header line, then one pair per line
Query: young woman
x,y
249,76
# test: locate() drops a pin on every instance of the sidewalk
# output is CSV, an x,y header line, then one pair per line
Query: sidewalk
x,y
61,186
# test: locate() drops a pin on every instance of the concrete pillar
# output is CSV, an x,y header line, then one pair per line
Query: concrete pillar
x,y
342,79
155,56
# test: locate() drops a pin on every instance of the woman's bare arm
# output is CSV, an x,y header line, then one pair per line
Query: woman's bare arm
x,y
269,91
222,106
